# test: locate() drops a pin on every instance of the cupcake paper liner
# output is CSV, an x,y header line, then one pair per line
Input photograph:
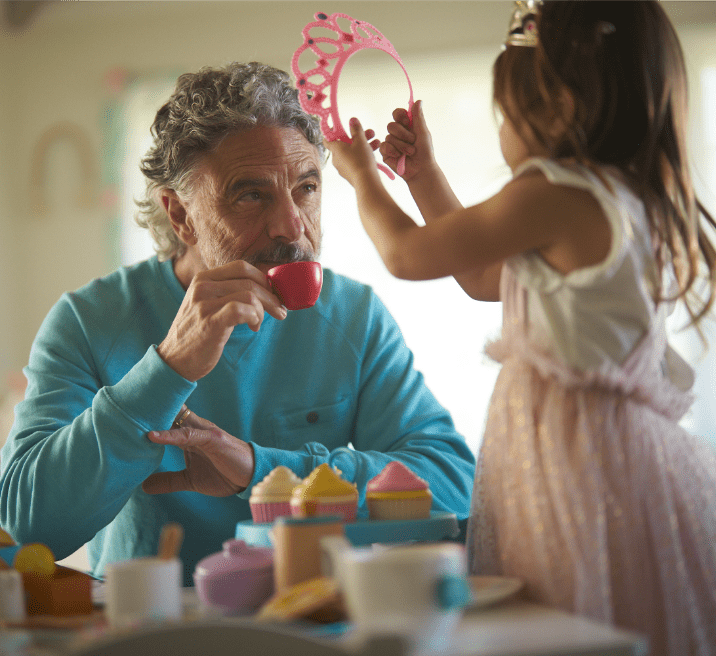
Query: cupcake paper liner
x,y
346,510
387,509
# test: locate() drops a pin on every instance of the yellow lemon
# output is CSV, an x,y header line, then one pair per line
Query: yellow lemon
x,y
5,539
300,599
35,559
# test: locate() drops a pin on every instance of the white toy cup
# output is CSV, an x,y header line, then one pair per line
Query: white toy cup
x,y
143,590
12,596
417,592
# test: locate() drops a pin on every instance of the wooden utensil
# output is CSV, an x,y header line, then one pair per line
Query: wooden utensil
x,y
170,541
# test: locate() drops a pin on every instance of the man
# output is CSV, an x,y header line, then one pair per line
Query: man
x,y
166,390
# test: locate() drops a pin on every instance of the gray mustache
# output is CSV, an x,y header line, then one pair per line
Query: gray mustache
x,y
283,253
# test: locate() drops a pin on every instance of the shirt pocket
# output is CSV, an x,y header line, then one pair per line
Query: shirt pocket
x,y
331,424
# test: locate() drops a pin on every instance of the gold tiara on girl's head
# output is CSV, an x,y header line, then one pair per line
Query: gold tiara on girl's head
x,y
523,24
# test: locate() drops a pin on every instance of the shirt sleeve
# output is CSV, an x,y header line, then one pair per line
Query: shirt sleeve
x,y
50,493
397,418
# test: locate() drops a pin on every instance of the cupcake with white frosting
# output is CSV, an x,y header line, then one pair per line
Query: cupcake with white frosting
x,y
271,497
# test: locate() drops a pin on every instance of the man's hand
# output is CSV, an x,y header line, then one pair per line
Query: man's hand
x,y
217,464
216,301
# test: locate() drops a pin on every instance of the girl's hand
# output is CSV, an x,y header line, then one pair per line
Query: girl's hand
x,y
413,141
356,157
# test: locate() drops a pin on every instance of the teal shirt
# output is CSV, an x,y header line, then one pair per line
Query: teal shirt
x,y
300,391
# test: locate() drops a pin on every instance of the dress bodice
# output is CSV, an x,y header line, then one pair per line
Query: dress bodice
x,y
594,318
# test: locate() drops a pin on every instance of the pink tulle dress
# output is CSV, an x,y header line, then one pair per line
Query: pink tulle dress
x,y
587,488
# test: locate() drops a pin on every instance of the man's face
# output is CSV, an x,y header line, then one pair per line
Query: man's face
x,y
257,197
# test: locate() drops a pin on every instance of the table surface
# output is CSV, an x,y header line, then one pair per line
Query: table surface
x,y
527,629
510,628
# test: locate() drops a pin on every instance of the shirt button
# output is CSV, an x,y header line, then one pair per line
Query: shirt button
x,y
312,417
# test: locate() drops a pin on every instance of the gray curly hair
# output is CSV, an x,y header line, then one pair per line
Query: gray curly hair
x,y
205,108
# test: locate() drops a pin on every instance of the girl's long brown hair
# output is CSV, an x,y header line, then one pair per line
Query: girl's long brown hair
x,y
613,72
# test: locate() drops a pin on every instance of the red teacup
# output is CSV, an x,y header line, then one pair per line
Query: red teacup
x,y
297,284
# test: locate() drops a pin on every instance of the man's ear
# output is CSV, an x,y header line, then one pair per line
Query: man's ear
x,y
178,216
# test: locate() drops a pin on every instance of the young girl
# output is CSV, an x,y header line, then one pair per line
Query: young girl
x,y
587,488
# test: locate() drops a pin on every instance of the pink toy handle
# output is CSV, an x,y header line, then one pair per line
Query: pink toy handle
x,y
312,94
401,162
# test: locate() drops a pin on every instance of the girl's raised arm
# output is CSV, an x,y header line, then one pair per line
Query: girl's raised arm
x,y
431,190
528,214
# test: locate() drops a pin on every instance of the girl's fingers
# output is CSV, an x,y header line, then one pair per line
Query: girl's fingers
x,y
356,128
397,131
420,126
359,137
400,115
386,150
400,146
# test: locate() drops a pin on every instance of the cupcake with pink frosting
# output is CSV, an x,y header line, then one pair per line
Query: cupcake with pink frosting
x,y
271,497
398,493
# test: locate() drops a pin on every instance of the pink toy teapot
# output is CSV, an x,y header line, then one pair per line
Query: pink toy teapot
x,y
237,580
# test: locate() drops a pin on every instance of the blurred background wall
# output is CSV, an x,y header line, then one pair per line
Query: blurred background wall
x,y
80,82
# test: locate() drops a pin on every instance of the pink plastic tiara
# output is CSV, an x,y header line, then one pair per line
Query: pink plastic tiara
x,y
313,84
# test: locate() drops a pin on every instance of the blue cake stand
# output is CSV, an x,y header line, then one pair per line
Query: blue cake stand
x,y
8,553
362,532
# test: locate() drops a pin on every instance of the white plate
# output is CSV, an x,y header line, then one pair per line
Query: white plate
x,y
489,590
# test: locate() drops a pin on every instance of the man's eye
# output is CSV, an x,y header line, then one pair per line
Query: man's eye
x,y
311,187
250,195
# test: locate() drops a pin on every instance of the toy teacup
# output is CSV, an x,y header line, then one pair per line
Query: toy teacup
x,y
297,284
416,591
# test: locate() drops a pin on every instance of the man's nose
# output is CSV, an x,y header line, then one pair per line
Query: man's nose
x,y
286,224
